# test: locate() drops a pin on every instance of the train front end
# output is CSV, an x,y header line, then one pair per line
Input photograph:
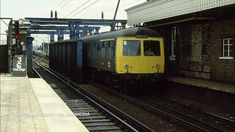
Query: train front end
x,y
140,57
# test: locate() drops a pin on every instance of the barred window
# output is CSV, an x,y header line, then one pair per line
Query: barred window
x,y
227,48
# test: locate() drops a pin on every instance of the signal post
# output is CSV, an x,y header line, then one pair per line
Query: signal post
x,y
18,51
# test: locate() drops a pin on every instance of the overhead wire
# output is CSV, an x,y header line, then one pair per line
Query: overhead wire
x,y
122,4
71,14
4,22
61,2
62,8
86,7
78,8
58,6
65,4
132,3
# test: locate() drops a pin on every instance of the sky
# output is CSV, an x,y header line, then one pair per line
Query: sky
x,y
87,9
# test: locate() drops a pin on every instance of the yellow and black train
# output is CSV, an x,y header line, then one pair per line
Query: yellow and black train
x,y
124,58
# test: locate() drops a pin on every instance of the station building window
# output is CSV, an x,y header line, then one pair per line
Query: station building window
x,y
227,45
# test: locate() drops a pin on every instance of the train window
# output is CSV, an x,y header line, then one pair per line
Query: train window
x,y
98,46
151,48
102,44
112,44
106,44
131,48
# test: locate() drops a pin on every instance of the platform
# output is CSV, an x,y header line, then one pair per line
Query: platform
x,y
218,86
30,105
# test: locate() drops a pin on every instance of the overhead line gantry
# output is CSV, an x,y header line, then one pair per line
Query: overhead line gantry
x,y
74,27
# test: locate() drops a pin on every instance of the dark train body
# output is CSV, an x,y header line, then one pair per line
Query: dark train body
x,y
124,57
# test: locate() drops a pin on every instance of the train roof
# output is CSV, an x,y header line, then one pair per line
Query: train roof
x,y
128,32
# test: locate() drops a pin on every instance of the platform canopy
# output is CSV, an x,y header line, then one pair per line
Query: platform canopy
x,y
154,10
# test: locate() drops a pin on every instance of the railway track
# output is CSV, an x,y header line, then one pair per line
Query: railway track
x,y
199,119
196,119
94,113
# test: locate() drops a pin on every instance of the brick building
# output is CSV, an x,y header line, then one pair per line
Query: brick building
x,y
199,35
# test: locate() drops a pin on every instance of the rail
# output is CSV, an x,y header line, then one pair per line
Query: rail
x,y
125,120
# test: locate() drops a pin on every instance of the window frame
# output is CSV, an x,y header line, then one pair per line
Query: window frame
x,y
173,41
155,54
229,45
140,47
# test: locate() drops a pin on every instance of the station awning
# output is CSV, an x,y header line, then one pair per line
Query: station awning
x,y
162,9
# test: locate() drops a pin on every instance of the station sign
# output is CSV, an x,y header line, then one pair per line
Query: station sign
x,y
19,66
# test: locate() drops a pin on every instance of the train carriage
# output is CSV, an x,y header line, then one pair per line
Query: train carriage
x,y
130,56
124,59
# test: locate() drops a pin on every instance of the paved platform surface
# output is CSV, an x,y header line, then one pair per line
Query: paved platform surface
x,y
218,86
30,105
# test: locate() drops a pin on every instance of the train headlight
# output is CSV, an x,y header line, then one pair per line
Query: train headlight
x,y
157,67
127,68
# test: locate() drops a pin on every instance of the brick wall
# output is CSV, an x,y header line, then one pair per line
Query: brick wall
x,y
223,70
192,57
198,48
